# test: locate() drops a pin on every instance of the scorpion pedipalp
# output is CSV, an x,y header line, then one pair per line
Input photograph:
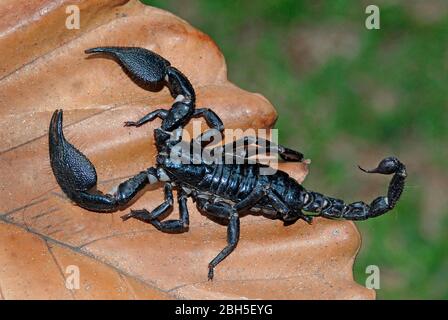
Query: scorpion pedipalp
x,y
143,65
150,69
77,177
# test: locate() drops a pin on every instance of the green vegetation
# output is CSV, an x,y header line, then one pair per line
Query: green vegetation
x,y
348,95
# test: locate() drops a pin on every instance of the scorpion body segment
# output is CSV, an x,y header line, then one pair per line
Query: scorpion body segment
x,y
279,193
220,190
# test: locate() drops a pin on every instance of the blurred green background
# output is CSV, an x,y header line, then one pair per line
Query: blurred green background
x,y
347,95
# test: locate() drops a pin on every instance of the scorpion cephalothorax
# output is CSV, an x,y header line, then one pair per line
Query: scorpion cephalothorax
x,y
220,190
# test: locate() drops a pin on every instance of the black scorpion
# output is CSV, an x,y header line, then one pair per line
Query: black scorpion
x,y
220,190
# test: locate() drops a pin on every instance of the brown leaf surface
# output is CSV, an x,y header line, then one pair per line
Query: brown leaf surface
x,y
43,67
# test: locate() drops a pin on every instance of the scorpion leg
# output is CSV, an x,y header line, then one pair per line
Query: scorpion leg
x,y
252,199
77,177
284,152
177,225
213,121
149,217
160,113
210,117
288,215
238,152
277,203
196,145
224,210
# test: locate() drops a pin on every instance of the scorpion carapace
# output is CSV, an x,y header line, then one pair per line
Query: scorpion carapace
x,y
219,190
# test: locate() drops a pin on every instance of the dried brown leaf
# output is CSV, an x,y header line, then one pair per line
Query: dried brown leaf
x,y
43,68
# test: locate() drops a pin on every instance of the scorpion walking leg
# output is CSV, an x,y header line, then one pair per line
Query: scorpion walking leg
x,y
288,215
77,177
210,117
213,121
178,225
160,113
150,217
196,145
284,152
224,210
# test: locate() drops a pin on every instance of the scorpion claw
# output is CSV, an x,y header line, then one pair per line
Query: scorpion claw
x,y
74,173
67,161
142,64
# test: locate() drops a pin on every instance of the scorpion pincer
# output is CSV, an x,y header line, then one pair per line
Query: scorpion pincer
x,y
219,190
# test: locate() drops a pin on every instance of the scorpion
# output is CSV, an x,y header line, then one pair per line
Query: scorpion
x,y
219,190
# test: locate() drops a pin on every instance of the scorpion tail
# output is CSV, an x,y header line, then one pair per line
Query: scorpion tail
x,y
336,209
149,69
75,173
